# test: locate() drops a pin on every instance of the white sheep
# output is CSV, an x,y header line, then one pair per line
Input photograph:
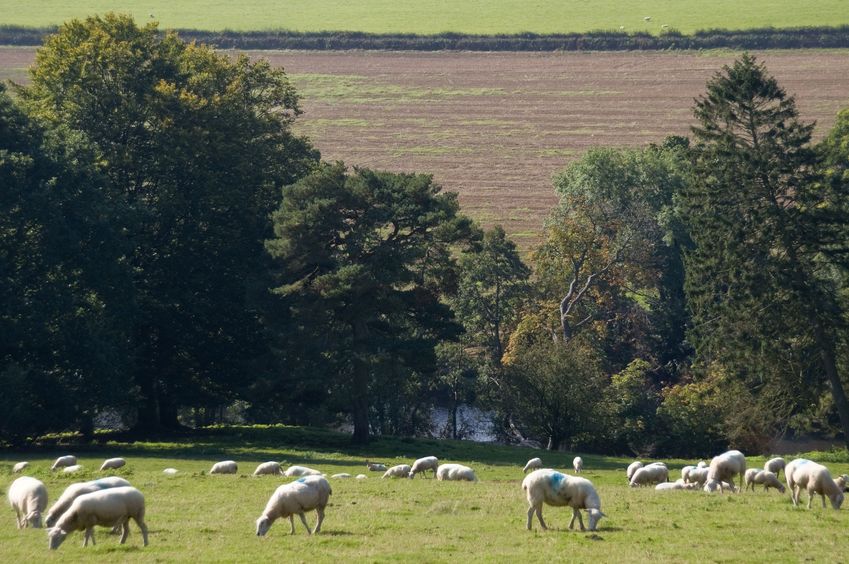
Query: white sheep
x,y
360,477
775,465
293,471
455,472
106,508
768,480
19,467
533,464
64,461
398,471
73,491
28,497
423,464
816,479
725,466
557,489
702,464
224,467
678,484
376,466
698,476
842,482
304,494
342,475
713,485
651,474
112,464
749,477
170,471
268,468
72,469
633,467
578,464
685,473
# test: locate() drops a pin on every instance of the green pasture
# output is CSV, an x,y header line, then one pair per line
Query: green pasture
x,y
435,16
201,518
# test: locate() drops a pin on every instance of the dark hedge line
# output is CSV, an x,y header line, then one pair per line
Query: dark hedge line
x,y
764,38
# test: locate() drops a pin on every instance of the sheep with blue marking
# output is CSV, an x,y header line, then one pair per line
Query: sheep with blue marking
x,y
74,491
111,507
557,489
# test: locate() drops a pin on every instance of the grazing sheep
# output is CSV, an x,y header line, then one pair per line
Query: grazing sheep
x,y
455,472
685,473
423,464
224,467
816,479
698,476
376,466
72,469
651,474
724,467
749,478
266,468
170,471
107,508
112,464
842,482
342,475
304,494
533,464
713,485
28,497
399,471
64,461
19,467
557,489
578,464
301,471
74,491
769,480
633,467
775,465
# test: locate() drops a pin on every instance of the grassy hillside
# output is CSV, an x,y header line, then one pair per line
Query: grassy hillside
x,y
202,518
435,16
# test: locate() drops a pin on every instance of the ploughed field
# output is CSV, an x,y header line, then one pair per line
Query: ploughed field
x,y
495,127
198,517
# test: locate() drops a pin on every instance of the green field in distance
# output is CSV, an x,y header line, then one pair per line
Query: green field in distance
x,y
435,16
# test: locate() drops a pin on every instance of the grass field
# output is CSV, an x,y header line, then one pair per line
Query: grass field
x,y
202,518
435,16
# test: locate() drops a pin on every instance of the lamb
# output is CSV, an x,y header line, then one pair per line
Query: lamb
x,y
304,494
423,464
398,471
28,497
108,508
698,476
112,464
775,465
73,491
64,461
72,469
724,467
224,467
533,464
749,478
633,467
816,479
455,472
685,473
19,467
300,471
769,480
578,464
271,467
376,466
557,489
651,474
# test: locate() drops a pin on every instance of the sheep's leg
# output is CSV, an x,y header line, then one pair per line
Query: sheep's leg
x,y
292,524
18,518
125,530
89,534
576,513
304,521
823,500
794,495
320,512
539,517
531,510
140,522
810,498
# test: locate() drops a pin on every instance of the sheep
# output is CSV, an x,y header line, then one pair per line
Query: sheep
x,y
533,464
816,479
112,464
713,485
224,467
423,464
341,476
170,471
376,466
633,467
769,480
64,461
28,497
455,472
775,465
300,471
73,491
72,469
398,471
270,467
685,473
651,474
109,507
578,464
749,478
678,484
19,467
702,464
842,482
698,476
557,489
304,494
725,466
360,477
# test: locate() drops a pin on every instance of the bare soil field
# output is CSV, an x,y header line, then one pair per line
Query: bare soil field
x,y
495,127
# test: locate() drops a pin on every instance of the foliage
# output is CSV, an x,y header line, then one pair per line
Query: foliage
x,y
631,405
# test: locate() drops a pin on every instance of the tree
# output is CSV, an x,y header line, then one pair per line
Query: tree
x,y
763,298
197,146
365,259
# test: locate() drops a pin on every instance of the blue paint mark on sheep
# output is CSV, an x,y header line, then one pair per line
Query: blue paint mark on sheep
x,y
301,480
555,479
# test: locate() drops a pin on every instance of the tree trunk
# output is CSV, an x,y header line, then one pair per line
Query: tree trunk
x,y
830,366
360,382
553,442
454,407
148,407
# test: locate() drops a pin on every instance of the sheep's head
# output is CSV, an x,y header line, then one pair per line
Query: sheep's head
x,y
836,500
781,487
55,537
50,520
262,526
34,519
595,517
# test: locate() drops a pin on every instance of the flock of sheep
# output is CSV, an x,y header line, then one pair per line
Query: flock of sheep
x,y
112,501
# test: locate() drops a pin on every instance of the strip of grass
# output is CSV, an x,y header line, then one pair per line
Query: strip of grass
x,y
201,518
